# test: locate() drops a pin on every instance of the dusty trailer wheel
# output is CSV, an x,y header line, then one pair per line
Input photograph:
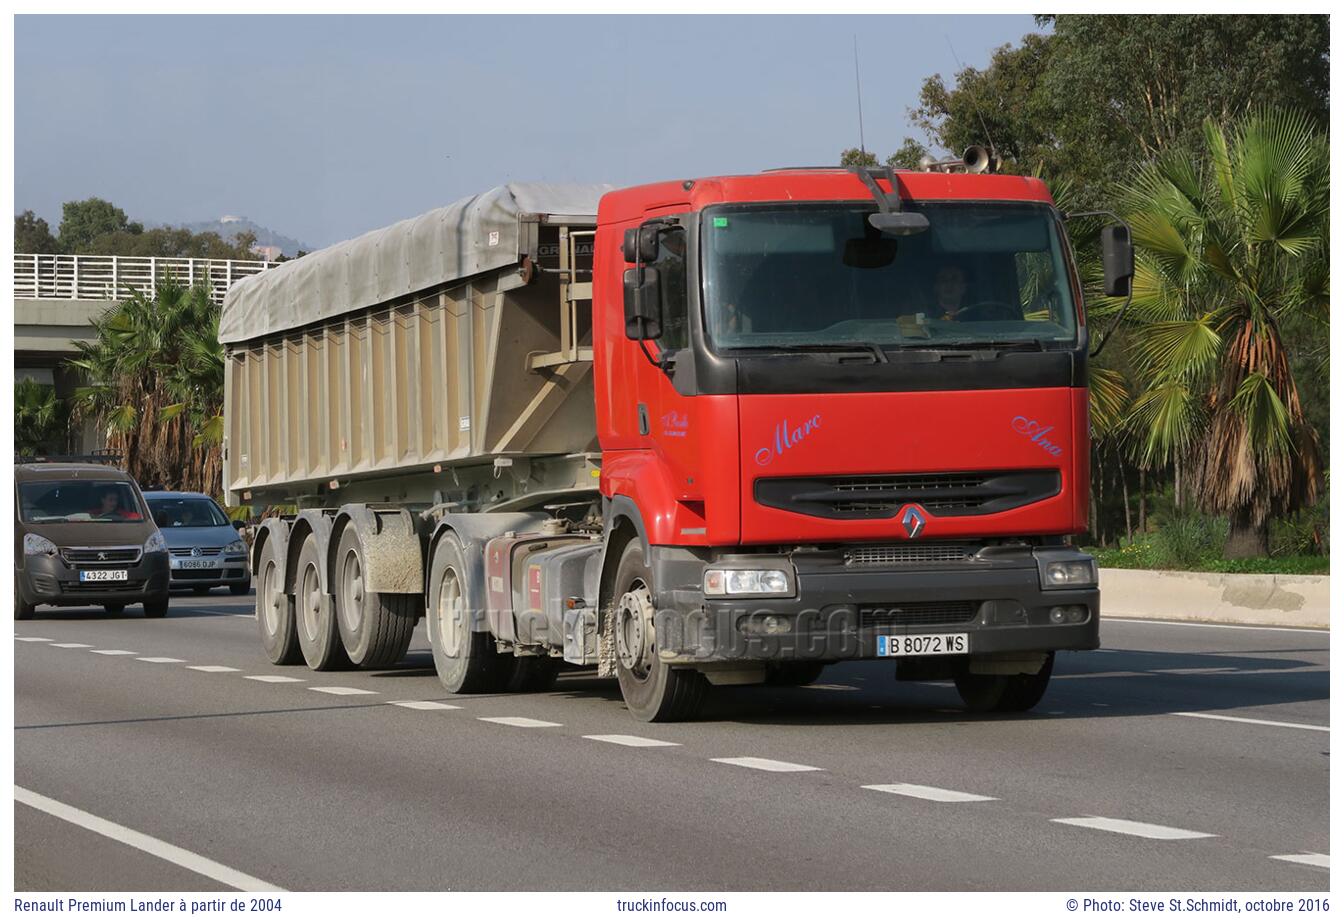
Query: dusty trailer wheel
x,y
466,661
1004,692
275,610
314,618
653,690
375,627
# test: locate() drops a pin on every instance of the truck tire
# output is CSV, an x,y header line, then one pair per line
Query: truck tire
x,y
375,627
156,607
793,673
466,661
654,691
530,674
275,610
314,619
1004,692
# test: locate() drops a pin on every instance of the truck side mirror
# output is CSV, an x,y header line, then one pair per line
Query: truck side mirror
x,y
640,244
643,309
1117,259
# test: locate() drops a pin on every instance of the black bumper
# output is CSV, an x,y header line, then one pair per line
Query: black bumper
x,y
839,613
51,580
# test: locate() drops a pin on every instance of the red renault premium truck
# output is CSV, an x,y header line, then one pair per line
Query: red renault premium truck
x,y
714,431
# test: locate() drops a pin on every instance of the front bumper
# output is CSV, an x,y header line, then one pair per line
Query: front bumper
x,y
839,613
53,581
221,570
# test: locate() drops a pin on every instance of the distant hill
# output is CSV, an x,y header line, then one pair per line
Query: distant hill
x,y
228,226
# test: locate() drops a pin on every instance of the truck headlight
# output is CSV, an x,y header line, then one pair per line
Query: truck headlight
x,y
33,545
236,547
1070,573
156,543
748,583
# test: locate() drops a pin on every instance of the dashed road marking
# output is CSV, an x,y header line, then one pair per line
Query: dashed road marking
x,y
828,687
70,645
345,691
1133,828
422,704
1270,722
519,722
1319,860
1193,670
143,842
632,740
211,668
113,651
30,639
761,763
1296,629
931,793
164,660
272,679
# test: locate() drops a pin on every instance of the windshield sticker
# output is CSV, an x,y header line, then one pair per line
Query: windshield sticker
x,y
1030,428
786,437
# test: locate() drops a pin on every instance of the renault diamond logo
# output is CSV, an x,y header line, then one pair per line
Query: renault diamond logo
x,y
195,550
913,522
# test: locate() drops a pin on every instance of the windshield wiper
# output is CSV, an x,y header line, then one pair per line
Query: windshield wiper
x,y
879,356
967,345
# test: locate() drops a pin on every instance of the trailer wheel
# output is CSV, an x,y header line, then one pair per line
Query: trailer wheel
x,y
654,691
375,627
793,673
315,620
466,661
530,674
275,610
1004,692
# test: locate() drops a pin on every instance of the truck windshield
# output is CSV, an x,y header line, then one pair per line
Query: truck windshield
x,y
803,276
78,500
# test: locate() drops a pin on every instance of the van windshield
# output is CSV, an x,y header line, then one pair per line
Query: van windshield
x,y
54,501
792,276
186,512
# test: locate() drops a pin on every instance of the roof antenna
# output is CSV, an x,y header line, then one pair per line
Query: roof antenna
x,y
993,150
859,95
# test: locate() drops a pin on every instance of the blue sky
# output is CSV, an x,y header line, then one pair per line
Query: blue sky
x,y
324,127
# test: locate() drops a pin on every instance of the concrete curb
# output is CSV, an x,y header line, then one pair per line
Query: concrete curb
x,y
1208,597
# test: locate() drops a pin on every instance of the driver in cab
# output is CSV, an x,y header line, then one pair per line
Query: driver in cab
x,y
109,507
949,291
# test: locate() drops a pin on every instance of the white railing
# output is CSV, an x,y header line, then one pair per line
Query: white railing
x,y
55,277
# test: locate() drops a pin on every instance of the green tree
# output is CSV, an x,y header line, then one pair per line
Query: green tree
x,y
854,156
84,221
32,234
40,419
1232,248
155,373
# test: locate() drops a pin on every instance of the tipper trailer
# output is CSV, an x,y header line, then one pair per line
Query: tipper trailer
x,y
712,431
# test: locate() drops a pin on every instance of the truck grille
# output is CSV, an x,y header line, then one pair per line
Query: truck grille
x,y
906,554
882,496
100,555
925,613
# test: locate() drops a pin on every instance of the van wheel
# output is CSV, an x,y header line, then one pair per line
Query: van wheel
x,y
1004,692
22,609
654,691
315,621
375,627
275,610
465,659
156,608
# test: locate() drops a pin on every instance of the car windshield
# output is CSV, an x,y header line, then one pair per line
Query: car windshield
x,y
186,512
810,277
78,500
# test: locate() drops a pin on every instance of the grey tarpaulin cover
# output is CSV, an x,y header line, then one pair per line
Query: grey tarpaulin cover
x,y
470,236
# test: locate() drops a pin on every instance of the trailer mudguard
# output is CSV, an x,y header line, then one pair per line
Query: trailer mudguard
x,y
390,538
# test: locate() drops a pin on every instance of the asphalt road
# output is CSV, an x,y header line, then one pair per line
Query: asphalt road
x,y
162,728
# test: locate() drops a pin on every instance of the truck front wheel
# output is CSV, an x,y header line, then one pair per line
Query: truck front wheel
x,y
465,660
653,690
1004,692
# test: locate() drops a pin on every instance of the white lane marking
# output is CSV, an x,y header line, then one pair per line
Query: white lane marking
x,y
828,687
632,740
1295,629
931,793
1133,828
344,691
1270,722
112,651
272,679
164,660
519,722
244,616
1319,860
422,704
761,763
151,845
70,645
211,668
1192,670
30,639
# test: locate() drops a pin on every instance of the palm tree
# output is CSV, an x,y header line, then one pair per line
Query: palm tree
x,y
1232,248
39,418
154,379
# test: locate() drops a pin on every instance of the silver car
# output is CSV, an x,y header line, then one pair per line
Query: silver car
x,y
204,548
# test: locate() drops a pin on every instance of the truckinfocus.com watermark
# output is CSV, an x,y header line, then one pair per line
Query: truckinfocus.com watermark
x,y
659,905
